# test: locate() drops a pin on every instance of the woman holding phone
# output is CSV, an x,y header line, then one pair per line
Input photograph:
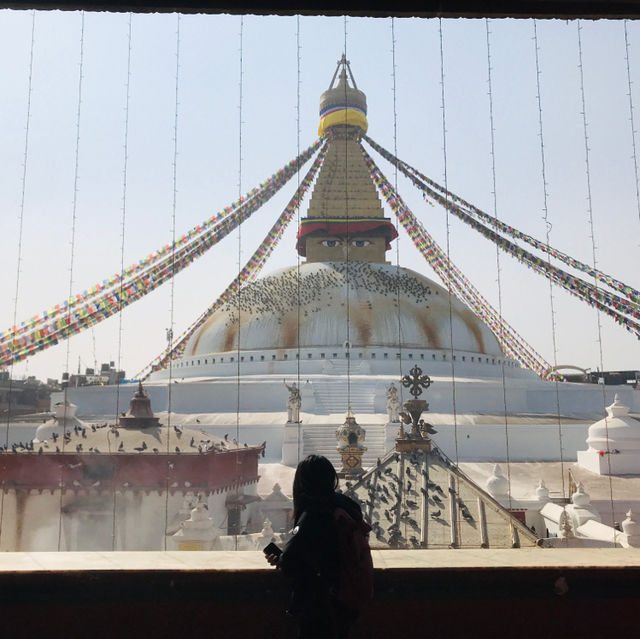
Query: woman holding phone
x,y
311,558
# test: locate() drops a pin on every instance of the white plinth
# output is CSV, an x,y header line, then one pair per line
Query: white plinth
x,y
622,463
392,431
292,444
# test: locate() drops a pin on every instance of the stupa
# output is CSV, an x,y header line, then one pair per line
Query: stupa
x,y
343,324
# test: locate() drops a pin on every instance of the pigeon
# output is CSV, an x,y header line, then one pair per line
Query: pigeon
x,y
435,514
467,515
121,447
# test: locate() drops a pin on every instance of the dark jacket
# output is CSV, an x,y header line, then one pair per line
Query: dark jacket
x,y
311,557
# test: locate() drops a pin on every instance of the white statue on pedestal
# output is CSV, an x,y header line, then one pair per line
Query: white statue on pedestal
x,y
393,404
293,403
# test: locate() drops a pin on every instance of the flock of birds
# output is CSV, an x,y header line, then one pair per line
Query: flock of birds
x,y
74,440
392,500
276,296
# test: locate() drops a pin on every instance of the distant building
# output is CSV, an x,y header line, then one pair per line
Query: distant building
x,y
24,396
122,486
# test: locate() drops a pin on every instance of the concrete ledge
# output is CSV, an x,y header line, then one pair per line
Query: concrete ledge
x,y
229,561
515,593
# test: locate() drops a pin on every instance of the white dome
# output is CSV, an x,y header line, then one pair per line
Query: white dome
x,y
269,312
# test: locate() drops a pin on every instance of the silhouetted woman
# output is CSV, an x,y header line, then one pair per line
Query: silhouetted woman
x,y
311,557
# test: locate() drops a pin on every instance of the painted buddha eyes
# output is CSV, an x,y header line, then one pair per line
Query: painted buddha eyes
x,y
356,243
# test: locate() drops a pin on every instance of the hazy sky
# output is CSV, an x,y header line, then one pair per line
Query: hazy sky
x,y
210,174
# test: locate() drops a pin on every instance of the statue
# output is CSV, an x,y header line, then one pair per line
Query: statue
x,y
393,404
293,403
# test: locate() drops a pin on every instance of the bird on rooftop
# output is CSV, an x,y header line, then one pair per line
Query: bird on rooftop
x,y
121,447
177,449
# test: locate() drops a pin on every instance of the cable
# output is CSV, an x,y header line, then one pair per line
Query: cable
x,y
72,259
348,232
174,200
631,118
593,252
448,240
545,217
498,273
23,188
298,433
239,284
123,229
395,183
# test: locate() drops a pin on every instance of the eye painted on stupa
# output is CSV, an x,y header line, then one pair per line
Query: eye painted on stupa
x,y
331,243
360,243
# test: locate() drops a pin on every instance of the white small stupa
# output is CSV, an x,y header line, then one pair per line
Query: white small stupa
x,y
631,529
614,443
581,510
63,421
498,485
197,532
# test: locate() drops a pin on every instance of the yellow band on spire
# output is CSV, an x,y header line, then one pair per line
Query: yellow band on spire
x,y
348,116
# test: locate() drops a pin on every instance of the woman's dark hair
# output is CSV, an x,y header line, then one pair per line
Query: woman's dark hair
x,y
315,481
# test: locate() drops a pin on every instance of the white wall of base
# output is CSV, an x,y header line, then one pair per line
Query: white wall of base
x,y
622,463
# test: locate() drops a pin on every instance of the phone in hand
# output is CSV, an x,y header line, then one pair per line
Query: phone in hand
x,y
272,549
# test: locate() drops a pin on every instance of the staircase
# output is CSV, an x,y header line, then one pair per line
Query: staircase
x,y
333,396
